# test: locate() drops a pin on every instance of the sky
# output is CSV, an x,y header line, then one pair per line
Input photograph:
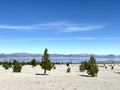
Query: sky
x,y
62,26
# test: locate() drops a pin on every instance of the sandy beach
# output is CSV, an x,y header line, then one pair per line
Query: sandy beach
x,y
58,79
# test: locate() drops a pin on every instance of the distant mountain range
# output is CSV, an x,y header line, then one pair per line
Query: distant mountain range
x,y
29,56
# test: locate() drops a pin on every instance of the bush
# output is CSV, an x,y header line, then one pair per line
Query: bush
x,y
10,64
83,66
67,64
53,65
6,65
1,63
33,63
90,66
112,67
68,70
17,67
93,70
23,63
14,62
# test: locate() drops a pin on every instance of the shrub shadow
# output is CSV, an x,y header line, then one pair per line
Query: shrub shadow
x,y
84,75
41,74
117,72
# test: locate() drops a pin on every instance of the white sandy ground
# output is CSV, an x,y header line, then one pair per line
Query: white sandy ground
x,y
58,79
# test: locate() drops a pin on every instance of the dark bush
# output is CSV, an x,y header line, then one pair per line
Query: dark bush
x,y
67,64
112,67
68,70
33,63
17,67
83,66
5,65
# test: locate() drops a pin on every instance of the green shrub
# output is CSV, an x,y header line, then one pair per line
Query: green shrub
x,y
5,65
93,67
83,66
33,63
23,63
68,70
1,63
17,67
9,64
53,65
90,66
93,70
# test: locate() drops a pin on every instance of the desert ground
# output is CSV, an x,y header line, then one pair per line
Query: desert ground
x,y
58,79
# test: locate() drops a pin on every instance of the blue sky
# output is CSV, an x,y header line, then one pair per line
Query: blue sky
x,y
62,26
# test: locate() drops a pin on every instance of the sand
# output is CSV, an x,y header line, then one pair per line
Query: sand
x,y
58,79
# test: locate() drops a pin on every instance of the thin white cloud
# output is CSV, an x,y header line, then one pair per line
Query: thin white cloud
x,y
59,24
82,28
49,39
16,27
62,39
55,26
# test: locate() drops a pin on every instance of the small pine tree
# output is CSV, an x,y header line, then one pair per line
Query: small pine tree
x,y
17,67
33,63
90,66
68,70
93,67
45,63
14,62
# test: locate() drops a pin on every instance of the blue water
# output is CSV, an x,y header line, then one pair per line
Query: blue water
x,y
78,60
74,60
65,61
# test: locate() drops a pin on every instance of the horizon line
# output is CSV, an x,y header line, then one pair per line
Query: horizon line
x,y
60,53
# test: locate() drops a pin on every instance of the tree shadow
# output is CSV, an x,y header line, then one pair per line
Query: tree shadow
x,y
84,75
117,72
41,74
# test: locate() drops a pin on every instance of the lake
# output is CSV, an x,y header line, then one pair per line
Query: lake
x,y
71,60
79,60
